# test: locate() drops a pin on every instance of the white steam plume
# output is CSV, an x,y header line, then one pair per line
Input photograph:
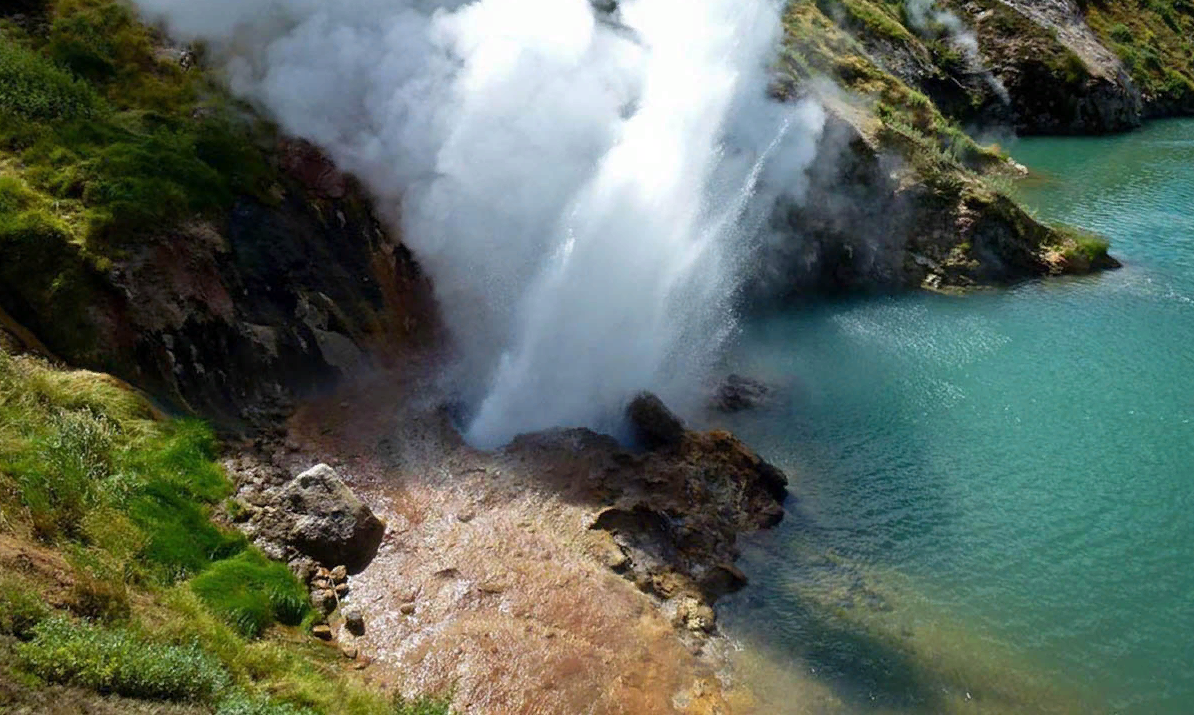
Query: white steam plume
x,y
582,186
925,17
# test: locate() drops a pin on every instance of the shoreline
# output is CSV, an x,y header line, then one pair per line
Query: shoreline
x,y
517,580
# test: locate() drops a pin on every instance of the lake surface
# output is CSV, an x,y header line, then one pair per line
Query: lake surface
x,y
996,492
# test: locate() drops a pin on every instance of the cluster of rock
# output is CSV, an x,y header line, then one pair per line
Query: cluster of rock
x,y
667,517
314,523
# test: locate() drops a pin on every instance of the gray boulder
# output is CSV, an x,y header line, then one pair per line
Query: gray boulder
x,y
316,515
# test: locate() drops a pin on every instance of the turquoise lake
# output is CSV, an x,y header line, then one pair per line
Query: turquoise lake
x,y
995,504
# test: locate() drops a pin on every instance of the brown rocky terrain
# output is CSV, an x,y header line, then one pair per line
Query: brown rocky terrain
x,y
560,574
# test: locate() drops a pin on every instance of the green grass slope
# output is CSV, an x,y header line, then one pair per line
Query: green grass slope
x,y
135,591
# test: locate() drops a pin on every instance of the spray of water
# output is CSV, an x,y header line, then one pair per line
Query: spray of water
x,y
582,185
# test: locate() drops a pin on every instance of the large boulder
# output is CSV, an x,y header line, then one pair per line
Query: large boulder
x,y
316,515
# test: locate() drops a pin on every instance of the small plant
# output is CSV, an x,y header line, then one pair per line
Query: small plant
x,y
421,706
100,599
117,661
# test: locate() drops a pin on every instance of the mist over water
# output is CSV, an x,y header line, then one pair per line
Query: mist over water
x,y
583,186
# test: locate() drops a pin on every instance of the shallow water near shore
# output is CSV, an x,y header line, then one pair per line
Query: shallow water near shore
x,y
996,506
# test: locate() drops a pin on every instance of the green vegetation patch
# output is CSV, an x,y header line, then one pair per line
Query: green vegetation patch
x,y
73,445
1154,40
34,88
107,143
119,661
251,593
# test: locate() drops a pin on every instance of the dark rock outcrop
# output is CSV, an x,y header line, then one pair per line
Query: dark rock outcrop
x,y
668,517
654,425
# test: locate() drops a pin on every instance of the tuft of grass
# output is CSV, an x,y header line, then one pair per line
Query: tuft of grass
x,y
21,608
1083,245
251,592
425,705
118,661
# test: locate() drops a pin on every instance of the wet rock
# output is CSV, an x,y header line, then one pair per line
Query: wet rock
x,y
322,632
695,615
354,621
737,393
317,516
654,425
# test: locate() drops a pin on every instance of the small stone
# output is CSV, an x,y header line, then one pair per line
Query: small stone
x,y
354,621
406,609
324,601
341,590
322,632
339,574
349,652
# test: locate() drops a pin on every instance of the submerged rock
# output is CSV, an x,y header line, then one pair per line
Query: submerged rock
x,y
737,393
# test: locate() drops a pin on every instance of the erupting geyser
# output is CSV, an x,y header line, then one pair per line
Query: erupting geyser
x,y
583,184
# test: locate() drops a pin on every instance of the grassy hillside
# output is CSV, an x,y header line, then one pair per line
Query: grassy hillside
x,y
105,138
114,581
1155,40
859,45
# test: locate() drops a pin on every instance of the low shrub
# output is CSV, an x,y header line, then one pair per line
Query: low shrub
x,y
34,88
21,608
100,599
118,661
1121,33
251,592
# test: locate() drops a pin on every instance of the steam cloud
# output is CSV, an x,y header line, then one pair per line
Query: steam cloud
x,y
926,17
582,186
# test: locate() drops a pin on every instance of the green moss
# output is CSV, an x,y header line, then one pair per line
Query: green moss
x,y
251,593
1083,246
